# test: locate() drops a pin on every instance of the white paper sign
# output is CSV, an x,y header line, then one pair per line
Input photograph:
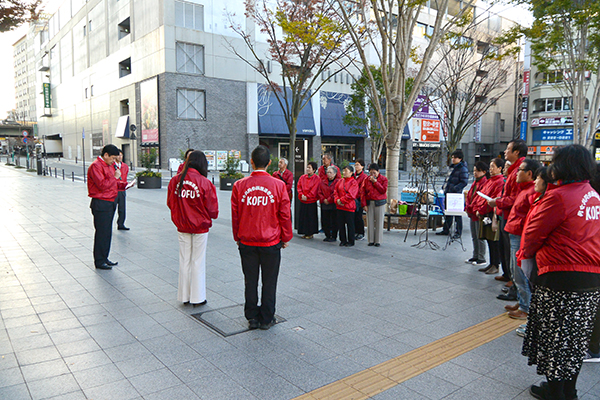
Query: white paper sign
x,y
455,202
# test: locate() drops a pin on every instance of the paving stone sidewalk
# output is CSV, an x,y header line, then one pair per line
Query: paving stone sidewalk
x,y
68,331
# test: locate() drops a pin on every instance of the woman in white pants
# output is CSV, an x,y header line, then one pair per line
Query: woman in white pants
x,y
373,195
192,199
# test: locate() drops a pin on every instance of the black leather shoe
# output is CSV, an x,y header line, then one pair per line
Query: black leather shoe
x,y
112,263
377,244
103,266
507,297
442,233
123,228
266,325
253,324
371,244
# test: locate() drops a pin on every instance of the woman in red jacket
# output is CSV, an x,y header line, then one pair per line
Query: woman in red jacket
x,y
480,171
373,195
193,202
345,194
308,194
564,237
328,209
485,213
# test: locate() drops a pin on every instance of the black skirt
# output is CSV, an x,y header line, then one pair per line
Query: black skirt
x,y
308,220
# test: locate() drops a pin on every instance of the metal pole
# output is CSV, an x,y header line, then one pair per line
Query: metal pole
x,y
73,176
63,174
55,173
83,152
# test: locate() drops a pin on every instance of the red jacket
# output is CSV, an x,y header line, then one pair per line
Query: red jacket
x,y
511,190
373,191
124,172
360,178
260,211
101,182
564,233
473,197
309,187
193,210
346,191
519,211
326,191
493,188
287,178
323,172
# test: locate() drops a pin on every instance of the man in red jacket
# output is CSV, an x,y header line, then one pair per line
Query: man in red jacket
x,y
327,162
121,196
262,226
285,175
103,185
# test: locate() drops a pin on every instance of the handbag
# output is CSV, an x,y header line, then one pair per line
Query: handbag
x,y
495,222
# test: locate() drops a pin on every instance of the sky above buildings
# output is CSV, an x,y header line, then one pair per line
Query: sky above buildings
x,y
7,84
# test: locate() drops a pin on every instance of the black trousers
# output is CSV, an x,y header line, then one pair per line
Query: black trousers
x,y
595,339
329,222
494,248
359,223
458,224
103,212
346,221
120,200
504,250
264,261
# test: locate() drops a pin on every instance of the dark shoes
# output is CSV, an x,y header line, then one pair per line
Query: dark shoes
x,y
442,233
371,244
542,392
377,244
103,266
123,228
486,269
253,324
502,278
329,240
266,325
112,264
507,297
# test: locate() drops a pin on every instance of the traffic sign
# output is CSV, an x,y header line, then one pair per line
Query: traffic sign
x,y
25,133
24,140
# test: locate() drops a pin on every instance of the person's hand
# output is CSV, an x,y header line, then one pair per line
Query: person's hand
x,y
117,173
366,208
326,201
492,203
285,244
304,198
373,179
339,202
479,215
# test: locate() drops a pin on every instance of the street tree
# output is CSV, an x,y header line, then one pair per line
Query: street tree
x,y
14,13
305,38
388,26
565,40
476,68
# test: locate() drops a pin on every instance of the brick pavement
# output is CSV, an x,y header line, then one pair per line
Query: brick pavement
x,y
70,332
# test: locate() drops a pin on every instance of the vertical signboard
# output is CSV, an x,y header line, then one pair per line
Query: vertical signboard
x,y
524,109
47,96
149,111
211,157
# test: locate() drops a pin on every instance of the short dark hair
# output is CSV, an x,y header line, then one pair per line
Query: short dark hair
x,y
544,173
532,165
498,162
458,153
374,167
111,149
349,168
520,146
120,151
261,156
482,166
360,161
313,165
187,153
573,163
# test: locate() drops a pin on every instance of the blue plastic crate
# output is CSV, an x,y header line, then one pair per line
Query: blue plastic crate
x,y
408,197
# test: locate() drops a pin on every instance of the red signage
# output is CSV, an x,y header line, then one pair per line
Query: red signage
x,y
526,83
430,130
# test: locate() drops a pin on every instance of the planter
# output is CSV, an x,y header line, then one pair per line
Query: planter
x,y
149,182
227,183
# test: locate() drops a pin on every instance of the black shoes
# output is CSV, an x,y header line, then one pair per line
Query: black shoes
x,y
507,296
542,392
253,324
123,228
103,266
371,244
442,233
329,239
377,244
111,263
266,325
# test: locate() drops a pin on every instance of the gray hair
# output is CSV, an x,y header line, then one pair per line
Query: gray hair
x,y
332,168
284,160
329,156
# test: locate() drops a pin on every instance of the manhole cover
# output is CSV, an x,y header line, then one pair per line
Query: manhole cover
x,y
227,321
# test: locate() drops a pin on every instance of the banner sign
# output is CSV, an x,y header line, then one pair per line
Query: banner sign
x,y
553,134
47,97
149,96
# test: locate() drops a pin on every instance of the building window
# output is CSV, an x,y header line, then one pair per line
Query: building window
x,y
92,90
482,47
190,58
85,93
125,107
84,30
90,25
553,104
125,68
502,125
191,104
189,15
124,28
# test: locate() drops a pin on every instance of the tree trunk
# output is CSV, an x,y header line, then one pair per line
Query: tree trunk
x,y
391,166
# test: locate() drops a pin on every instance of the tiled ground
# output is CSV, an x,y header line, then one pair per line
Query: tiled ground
x,y
68,331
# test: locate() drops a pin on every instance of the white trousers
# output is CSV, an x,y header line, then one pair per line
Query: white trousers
x,y
192,267
375,215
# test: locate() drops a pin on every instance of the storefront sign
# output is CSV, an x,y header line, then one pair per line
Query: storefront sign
x,y
551,121
531,150
526,76
211,158
547,149
47,97
553,134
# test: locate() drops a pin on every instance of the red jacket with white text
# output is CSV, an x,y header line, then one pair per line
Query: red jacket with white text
x,y
346,191
519,211
194,208
564,232
373,190
102,184
260,211
309,187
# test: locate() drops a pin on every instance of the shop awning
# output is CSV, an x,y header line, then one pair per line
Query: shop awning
x,y
272,122
333,110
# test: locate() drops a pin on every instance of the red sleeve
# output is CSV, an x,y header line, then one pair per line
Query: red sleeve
x,y
171,192
101,181
322,191
211,201
348,192
381,187
300,188
510,195
289,181
235,219
284,215
550,213
314,190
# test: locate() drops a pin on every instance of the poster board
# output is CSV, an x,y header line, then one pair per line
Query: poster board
x,y
221,159
211,157
455,203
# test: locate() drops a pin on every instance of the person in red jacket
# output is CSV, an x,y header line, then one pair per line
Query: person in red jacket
x,y
308,194
480,171
564,237
514,226
121,196
103,185
373,195
360,175
485,213
344,196
328,209
327,162
285,175
185,157
515,153
193,202
262,225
